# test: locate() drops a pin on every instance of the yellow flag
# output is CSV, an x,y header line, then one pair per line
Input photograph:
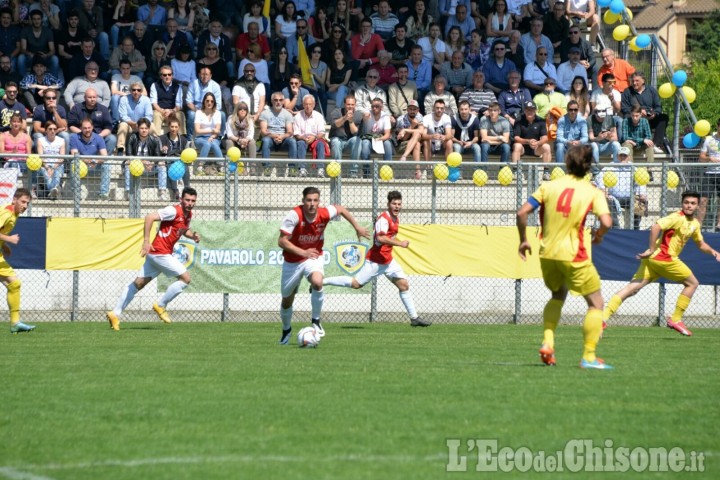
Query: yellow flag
x,y
266,9
304,63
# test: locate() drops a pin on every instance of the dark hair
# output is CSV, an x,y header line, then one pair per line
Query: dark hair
x,y
425,17
284,11
144,121
572,102
6,10
189,191
400,25
690,193
22,192
578,160
463,102
439,100
394,195
607,76
72,13
36,12
125,61
310,191
48,123
636,108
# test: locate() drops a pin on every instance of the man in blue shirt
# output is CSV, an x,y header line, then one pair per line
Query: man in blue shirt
x,y
572,130
420,72
132,108
497,68
98,113
194,97
90,143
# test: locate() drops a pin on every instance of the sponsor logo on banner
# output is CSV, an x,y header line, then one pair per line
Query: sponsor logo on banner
x,y
184,251
350,256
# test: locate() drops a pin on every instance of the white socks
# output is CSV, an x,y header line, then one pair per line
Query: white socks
x,y
125,298
316,301
172,291
339,281
286,317
407,300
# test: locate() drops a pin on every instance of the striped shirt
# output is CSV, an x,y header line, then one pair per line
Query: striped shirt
x,y
479,99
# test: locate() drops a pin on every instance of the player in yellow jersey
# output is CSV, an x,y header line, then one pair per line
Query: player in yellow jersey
x,y
564,204
8,217
668,237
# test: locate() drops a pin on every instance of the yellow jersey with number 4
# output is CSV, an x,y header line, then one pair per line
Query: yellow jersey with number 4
x,y
564,205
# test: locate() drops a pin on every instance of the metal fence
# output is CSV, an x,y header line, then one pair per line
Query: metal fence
x,y
251,194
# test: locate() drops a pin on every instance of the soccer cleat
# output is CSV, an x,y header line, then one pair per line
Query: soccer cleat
x,y
598,364
162,313
547,355
419,322
114,320
318,328
321,172
53,195
678,326
302,172
285,337
20,327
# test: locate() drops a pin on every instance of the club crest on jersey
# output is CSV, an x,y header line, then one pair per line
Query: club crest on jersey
x,y
350,256
184,251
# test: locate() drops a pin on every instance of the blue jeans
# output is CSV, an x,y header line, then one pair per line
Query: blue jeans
x,y
338,96
560,149
337,145
367,148
114,108
103,41
487,149
289,143
205,145
53,181
110,143
302,150
604,149
161,171
104,171
474,148
53,64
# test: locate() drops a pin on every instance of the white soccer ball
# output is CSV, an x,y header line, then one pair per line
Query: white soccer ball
x,y
308,337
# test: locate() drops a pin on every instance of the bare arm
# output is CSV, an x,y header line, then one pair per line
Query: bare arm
x,y
655,232
385,240
150,220
345,213
521,222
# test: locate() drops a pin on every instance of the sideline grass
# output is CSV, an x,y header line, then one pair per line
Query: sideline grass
x,y
375,401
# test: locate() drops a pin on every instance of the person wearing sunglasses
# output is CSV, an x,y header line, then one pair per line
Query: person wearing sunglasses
x,y
214,34
301,32
572,130
33,85
252,37
132,108
166,99
538,70
549,98
587,55
50,111
120,87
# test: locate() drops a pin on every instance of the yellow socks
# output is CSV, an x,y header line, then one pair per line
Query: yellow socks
x,y
551,318
612,305
682,303
13,300
592,327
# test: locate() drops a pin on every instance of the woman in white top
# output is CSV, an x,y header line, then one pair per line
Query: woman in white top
x,y
499,24
184,16
255,15
285,24
208,122
53,168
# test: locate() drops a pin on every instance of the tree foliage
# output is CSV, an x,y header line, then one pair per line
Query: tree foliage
x,y
704,44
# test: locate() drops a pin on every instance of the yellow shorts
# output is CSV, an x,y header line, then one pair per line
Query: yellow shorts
x,y
5,269
674,270
581,278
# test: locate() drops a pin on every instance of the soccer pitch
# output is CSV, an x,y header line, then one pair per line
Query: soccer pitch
x,y
374,401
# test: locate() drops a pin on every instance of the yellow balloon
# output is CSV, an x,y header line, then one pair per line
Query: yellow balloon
x,y
137,168
609,17
441,171
633,46
505,176
702,128
233,154
333,169
667,90
642,177
557,173
240,167
621,32
610,179
689,94
629,14
82,169
454,159
480,177
34,162
188,155
386,173
673,180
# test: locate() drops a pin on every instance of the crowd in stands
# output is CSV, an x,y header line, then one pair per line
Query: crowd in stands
x,y
404,78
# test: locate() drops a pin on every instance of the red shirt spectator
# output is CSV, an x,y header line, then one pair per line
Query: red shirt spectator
x,y
618,67
366,45
252,36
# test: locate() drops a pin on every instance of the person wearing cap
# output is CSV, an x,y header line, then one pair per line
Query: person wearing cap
x,y
623,194
34,85
567,71
75,90
638,93
531,136
409,131
549,98
710,154
587,54
571,131
537,71
603,135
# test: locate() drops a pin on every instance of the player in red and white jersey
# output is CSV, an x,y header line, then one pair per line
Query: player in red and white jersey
x,y
379,259
174,223
302,235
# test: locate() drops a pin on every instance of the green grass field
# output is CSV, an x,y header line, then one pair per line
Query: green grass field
x,y
375,401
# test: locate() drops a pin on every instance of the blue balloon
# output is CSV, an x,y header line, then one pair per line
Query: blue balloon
x,y
679,78
617,7
642,40
604,3
454,174
231,167
691,140
176,170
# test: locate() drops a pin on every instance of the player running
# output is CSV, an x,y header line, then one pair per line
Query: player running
x,y
379,259
565,263
668,237
174,223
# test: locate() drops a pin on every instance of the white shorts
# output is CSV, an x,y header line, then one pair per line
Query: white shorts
x,y
370,270
293,273
156,264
